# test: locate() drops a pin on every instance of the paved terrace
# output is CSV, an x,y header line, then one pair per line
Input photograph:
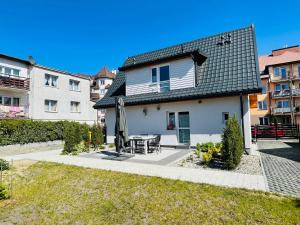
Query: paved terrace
x,y
220,178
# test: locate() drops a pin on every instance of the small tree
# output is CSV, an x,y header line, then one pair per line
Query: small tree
x,y
232,143
97,136
72,136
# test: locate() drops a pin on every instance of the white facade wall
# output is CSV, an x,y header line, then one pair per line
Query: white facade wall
x,y
206,121
182,75
39,92
24,70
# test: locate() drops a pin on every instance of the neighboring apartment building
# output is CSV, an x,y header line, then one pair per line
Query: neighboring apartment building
x,y
280,98
29,90
101,82
187,92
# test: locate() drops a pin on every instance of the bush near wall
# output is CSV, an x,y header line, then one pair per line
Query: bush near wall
x,y
232,143
29,131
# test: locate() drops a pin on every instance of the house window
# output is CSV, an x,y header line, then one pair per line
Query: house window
x,y
164,76
75,106
16,101
10,71
262,105
263,121
283,104
171,124
264,89
280,71
280,87
50,80
0,100
7,101
50,106
299,70
73,85
102,91
102,82
154,75
225,116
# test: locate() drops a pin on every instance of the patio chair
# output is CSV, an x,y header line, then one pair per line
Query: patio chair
x,y
138,145
154,145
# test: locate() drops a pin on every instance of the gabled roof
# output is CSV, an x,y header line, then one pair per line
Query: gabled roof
x,y
230,68
105,73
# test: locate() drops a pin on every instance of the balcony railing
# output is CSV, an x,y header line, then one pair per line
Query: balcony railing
x,y
296,92
281,110
94,96
14,82
163,86
13,111
281,93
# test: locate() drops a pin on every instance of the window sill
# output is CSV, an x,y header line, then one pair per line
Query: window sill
x,y
51,111
75,112
75,91
51,86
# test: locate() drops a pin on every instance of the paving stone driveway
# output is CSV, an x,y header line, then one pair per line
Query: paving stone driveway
x,y
281,162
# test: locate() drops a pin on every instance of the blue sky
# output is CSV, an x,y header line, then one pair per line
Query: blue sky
x,y
82,36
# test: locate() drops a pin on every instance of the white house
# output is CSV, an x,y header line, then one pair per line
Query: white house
x,y
29,90
101,82
187,92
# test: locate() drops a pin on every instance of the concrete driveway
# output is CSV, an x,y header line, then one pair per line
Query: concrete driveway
x,y
281,163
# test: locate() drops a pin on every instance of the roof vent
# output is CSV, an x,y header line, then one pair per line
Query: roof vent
x,y
224,39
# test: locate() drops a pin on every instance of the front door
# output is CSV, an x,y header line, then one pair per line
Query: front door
x,y
184,127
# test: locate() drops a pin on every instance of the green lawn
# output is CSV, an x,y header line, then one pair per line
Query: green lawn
x,y
49,193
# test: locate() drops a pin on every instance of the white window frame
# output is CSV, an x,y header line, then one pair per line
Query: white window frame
x,y
102,82
168,119
50,105
280,71
282,104
72,85
78,107
264,119
50,80
262,108
11,100
158,82
11,73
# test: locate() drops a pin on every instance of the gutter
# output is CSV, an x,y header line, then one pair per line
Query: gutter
x,y
242,117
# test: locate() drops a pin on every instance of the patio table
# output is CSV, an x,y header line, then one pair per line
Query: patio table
x,y
144,138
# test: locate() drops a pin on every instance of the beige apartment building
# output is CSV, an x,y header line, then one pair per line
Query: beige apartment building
x,y
280,98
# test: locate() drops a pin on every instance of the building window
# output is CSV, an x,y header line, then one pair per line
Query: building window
x,y
16,102
154,75
262,105
0,100
299,70
280,71
9,71
7,101
102,91
171,124
283,104
74,85
264,89
102,82
50,106
75,106
225,116
164,77
50,80
263,121
281,87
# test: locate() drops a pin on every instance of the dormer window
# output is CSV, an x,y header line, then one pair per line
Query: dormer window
x,y
162,74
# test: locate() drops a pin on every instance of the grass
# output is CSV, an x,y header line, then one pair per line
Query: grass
x,y
48,193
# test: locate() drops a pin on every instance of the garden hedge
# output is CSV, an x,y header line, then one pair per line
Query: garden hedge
x,y
31,131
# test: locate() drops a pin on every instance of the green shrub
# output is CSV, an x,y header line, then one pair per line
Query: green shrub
x,y
29,131
72,136
198,150
205,146
4,165
206,157
232,143
3,192
111,145
102,147
97,136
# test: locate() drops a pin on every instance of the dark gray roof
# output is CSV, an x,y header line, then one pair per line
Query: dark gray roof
x,y
230,69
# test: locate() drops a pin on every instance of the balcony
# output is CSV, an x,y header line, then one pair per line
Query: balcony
x,y
94,97
296,92
281,110
15,82
281,93
13,112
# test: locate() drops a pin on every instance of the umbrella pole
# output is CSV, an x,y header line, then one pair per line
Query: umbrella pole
x,y
117,126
